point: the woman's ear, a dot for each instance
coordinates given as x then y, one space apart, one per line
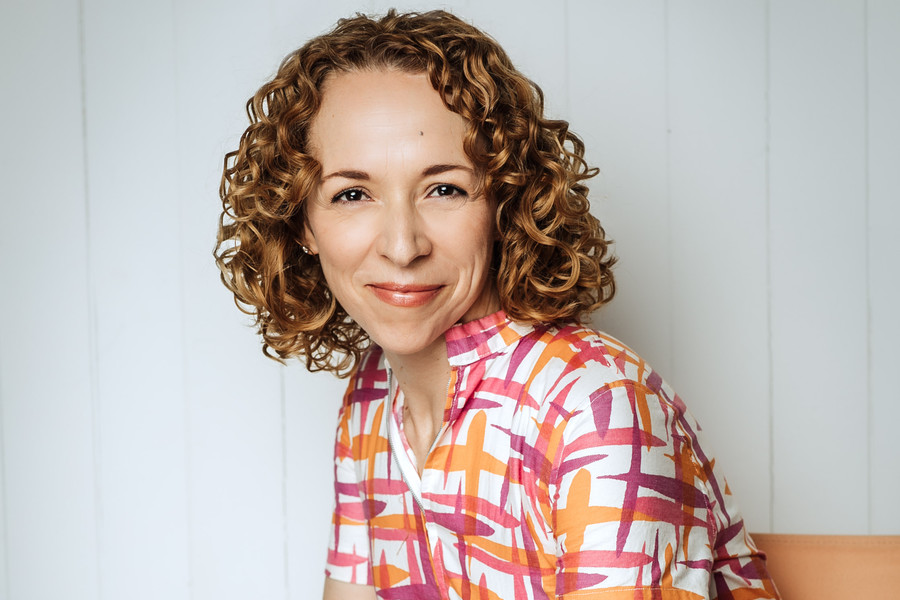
308 241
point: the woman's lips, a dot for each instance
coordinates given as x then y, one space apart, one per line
397 294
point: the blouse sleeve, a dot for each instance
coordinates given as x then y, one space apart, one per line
348 548
638 507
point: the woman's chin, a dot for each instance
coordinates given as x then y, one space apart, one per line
410 341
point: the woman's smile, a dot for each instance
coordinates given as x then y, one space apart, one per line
405 296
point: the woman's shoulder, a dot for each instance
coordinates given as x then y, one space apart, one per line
574 367
577 350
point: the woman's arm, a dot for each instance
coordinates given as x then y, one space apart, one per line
347 572
639 507
339 590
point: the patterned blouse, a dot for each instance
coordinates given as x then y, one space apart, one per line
565 468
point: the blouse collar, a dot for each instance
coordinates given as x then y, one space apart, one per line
472 341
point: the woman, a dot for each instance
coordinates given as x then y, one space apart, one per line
400 209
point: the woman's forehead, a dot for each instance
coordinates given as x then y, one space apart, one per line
373 115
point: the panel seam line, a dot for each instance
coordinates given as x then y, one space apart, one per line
93 355
768 210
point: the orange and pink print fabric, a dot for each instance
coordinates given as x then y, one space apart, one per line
566 468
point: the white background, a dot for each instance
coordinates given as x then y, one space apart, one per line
749 155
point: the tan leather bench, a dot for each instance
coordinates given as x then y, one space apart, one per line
822 567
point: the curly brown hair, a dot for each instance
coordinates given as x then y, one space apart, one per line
551 262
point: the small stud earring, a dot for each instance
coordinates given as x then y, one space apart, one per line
305 249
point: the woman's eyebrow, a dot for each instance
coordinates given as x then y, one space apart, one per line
438 169
348 174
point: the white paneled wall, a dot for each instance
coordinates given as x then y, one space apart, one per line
749 163
48 356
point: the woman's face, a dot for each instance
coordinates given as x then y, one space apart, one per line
403 239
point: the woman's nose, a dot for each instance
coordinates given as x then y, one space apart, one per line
403 237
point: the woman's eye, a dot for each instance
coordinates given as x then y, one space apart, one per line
447 191
352 195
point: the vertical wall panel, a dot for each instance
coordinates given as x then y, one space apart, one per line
717 116
135 263
45 330
311 412
818 245
617 99
884 261
233 394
